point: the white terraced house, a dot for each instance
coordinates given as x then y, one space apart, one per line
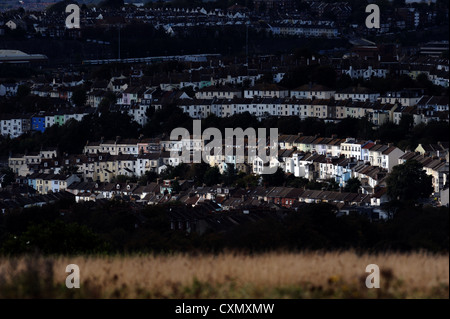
353 148
309 91
14 126
223 92
138 113
266 91
356 94
385 156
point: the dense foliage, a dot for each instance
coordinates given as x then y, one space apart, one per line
409 182
68 228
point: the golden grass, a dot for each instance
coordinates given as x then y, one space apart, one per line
270 275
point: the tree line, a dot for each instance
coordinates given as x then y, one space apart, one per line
86 228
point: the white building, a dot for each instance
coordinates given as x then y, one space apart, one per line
8 89
266 91
356 94
385 156
365 73
138 113
308 91
14 126
353 148
212 92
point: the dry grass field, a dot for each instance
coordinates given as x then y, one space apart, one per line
271 275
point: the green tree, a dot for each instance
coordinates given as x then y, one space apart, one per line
409 182
331 185
315 185
8 178
297 182
79 97
230 174
352 185
104 105
276 179
325 75
246 180
406 122
212 176
108 100
55 237
23 91
176 186
148 177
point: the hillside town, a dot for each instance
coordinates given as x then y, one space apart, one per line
280 17
310 157
362 82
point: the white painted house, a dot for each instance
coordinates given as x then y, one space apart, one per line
266 91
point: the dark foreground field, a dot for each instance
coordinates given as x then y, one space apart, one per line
271 275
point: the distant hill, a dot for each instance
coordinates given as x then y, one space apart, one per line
60 6
111 3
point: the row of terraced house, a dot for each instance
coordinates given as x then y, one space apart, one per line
316 102
310 157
